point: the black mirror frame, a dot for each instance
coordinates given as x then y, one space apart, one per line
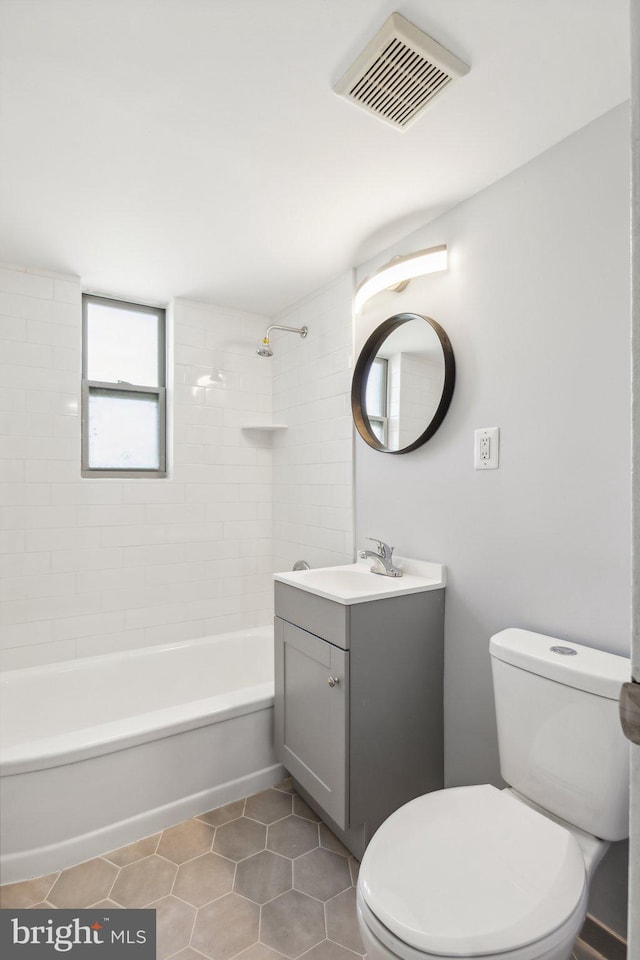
363 366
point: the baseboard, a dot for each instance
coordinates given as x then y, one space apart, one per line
604 941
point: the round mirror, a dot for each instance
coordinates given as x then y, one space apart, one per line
402 383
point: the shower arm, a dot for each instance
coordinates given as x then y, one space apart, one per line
303 331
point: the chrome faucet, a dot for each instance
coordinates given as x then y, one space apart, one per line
383 557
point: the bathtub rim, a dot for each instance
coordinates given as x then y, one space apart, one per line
138 728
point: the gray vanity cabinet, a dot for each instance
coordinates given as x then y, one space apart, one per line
316 714
358 704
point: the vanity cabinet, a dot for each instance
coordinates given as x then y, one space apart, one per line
358 704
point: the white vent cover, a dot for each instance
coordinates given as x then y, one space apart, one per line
400 73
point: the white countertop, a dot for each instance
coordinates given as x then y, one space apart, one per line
355 583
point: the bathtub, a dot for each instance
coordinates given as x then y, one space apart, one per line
98 752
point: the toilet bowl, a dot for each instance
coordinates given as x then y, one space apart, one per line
474 872
481 872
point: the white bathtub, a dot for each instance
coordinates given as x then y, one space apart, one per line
98 752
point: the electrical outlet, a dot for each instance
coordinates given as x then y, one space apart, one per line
486 448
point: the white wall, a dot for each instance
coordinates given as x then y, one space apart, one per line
313 486
536 304
89 566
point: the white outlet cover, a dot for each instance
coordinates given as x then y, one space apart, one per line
486 448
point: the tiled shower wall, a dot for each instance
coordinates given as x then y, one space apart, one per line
313 457
90 566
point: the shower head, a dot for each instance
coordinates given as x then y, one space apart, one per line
264 350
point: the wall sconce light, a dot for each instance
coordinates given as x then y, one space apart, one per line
396 274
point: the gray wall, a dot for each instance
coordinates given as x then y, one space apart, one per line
536 303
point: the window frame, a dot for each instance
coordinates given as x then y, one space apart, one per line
160 392
382 419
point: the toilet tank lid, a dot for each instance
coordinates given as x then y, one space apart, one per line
594 671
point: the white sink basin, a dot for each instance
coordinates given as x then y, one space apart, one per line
354 582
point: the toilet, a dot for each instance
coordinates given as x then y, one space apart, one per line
478 871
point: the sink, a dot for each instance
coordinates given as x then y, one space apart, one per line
354 582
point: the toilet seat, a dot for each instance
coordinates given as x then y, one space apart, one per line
471 871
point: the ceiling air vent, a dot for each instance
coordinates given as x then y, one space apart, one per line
400 73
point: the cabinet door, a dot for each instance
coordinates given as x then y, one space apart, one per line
311 715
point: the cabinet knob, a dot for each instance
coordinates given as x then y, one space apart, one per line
333 681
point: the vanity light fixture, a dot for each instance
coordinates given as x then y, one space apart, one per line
399 271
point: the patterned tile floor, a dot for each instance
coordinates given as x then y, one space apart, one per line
257 879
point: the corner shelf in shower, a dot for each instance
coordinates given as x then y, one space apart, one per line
265 427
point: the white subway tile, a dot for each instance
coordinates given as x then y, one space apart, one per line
111 515
23 354
174 632
53 471
37 378
155 616
73 538
12 541
159 491
109 643
180 532
35 655
231 511
24 634
199 434
57 608
67 291
24 564
54 334
174 572
238 473
23 494
37 517
40 448
139 535
13 611
209 493
37 585
17 305
214 606
258 492
172 513
26 424
26 284
159 553
13 328
67 427
109 579
67 358
194 415
132 598
185 395
85 492
247 529
66 313
187 454
71 628
192 336
335 518
104 558
12 399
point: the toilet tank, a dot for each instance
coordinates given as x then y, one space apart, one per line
559 735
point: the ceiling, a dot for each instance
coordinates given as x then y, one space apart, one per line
195 148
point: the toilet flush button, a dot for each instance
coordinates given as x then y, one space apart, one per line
564 651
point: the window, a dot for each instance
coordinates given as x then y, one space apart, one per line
376 398
123 389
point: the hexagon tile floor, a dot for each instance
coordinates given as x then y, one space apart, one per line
257 879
